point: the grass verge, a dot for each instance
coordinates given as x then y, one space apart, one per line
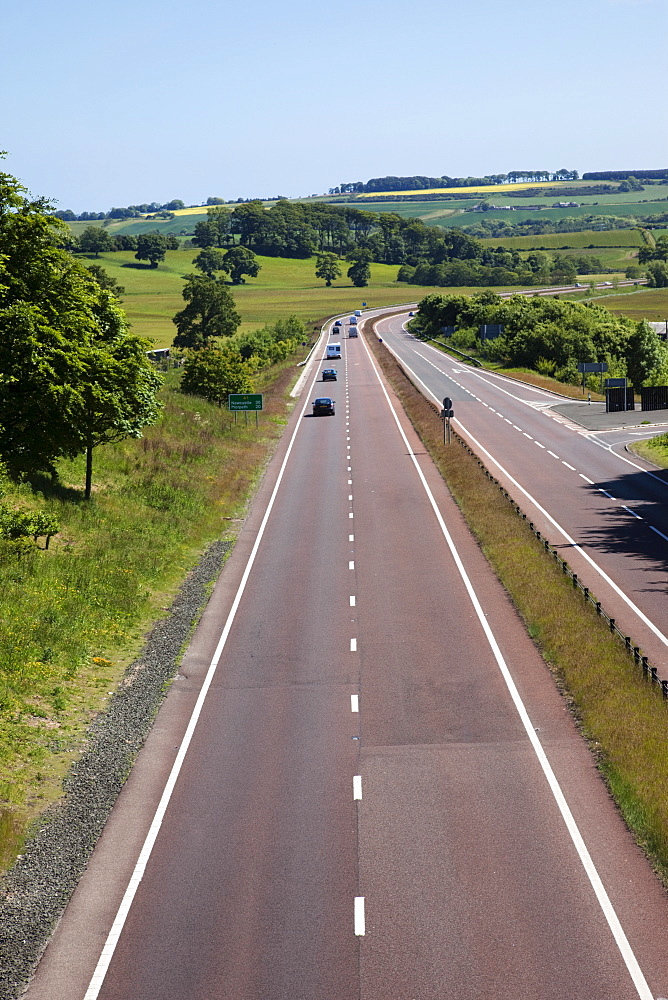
74 616
623 717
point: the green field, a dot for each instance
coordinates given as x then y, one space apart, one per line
282 288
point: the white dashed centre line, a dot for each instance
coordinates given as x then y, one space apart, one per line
350 496
359 916
351 538
350 514
353 645
624 507
571 467
354 703
606 494
586 478
540 445
351 564
357 786
659 532
527 435
350 482
352 600
552 454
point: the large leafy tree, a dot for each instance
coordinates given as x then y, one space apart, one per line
95 239
327 267
60 334
151 247
209 260
209 312
240 261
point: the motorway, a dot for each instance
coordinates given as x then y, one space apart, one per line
363 784
603 508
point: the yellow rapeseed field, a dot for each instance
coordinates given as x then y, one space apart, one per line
483 189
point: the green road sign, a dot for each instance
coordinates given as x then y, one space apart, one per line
245 401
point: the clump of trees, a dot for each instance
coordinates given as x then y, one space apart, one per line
72 375
215 370
148 246
548 334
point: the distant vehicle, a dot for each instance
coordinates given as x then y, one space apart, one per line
411 313
608 283
323 407
333 351
353 320
352 332
578 285
358 312
337 322
329 375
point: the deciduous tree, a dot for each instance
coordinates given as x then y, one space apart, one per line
327 267
209 312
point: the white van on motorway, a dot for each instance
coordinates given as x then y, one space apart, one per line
333 351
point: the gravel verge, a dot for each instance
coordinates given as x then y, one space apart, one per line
34 893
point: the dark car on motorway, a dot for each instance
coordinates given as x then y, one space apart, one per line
337 322
329 375
324 406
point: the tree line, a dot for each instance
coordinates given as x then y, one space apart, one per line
391 183
547 334
502 266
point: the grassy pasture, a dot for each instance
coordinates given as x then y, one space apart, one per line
643 303
576 241
283 287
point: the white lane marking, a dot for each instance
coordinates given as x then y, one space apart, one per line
353 645
354 703
350 482
527 435
606 494
492 410
517 428
571 541
586 478
624 507
594 878
107 953
351 564
357 787
571 467
350 496
351 538
659 532
552 454
507 421
352 600
359 916
350 514
540 445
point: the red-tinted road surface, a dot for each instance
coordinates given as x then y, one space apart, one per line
356 663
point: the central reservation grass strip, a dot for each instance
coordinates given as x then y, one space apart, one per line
624 718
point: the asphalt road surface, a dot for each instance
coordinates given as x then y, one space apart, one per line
602 507
381 795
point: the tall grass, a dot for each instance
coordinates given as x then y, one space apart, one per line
623 717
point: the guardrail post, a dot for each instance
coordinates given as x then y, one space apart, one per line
598 607
636 654
664 689
612 624
645 665
655 679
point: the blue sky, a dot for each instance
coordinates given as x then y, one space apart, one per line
131 102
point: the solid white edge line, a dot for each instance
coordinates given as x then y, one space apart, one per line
614 924
357 787
360 928
113 937
571 541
